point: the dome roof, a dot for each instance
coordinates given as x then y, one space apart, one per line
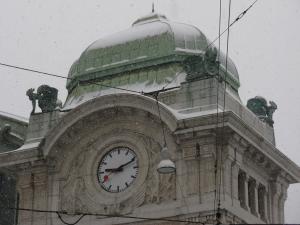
152 40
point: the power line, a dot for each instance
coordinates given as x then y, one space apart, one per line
217 103
219 36
67 78
240 16
102 215
124 89
218 213
67 223
34 71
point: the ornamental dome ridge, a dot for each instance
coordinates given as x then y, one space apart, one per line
152 40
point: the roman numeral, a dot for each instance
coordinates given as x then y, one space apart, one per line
133 176
126 184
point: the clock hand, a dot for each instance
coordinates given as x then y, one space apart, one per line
112 170
121 167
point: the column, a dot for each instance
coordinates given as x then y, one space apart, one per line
262 202
252 195
275 195
266 207
243 190
234 186
282 199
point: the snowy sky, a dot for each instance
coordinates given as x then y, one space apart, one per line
49 35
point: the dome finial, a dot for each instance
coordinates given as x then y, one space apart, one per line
152 7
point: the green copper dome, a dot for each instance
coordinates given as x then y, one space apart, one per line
152 42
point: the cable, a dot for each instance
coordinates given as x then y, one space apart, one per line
161 122
68 78
218 213
35 71
64 222
240 16
59 213
217 103
219 36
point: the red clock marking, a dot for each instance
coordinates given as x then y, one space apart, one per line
105 178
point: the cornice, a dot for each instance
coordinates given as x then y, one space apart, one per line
256 147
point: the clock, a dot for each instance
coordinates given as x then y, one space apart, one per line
118 169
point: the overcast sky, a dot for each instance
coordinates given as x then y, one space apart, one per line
49 35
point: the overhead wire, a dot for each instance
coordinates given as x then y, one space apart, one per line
163 89
217 105
220 155
68 223
67 78
240 16
105 216
124 89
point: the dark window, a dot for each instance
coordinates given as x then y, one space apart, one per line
261 201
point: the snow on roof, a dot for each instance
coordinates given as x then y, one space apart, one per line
14 117
131 34
145 87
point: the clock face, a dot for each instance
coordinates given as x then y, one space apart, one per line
118 169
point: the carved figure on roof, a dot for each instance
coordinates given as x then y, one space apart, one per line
9 137
210 61
259 106
32 97
46 97
198 66
193 65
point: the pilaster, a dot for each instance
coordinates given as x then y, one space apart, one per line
275 195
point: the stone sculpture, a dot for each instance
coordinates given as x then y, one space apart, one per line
201 66
46 97
259 106
210 61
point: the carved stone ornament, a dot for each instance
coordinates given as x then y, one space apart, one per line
160 187
46 97
80 149
201 66
7 136
258 105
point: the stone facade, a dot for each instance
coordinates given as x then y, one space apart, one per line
60 173
56 168
12 136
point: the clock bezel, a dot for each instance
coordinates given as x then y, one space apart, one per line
103 157
99 149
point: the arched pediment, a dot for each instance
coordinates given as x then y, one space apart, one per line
83 137
125 100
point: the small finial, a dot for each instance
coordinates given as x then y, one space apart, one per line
152 7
